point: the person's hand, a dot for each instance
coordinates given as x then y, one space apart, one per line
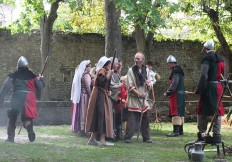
109 93
120 85
142 95
109 73
148 83
165 94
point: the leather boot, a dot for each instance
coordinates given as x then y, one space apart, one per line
199 137
175 133
10 133
119 132
181 131
30 131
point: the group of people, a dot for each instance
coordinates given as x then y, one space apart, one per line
103 111
103 100
209 88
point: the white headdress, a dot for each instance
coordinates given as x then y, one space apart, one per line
102 62
76 84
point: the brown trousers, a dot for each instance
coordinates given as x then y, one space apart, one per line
133 122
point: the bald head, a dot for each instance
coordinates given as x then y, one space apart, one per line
139 58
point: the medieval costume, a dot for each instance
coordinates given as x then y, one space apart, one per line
210 91
176 97
80 94
25 85
136 78
121 109
114 88
99 116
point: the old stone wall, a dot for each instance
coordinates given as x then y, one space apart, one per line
68 50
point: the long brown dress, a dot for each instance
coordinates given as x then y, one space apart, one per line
99 117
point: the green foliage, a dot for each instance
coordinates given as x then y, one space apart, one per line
195 24
82 17
29 17
149 15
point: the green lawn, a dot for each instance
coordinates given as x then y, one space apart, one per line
57 143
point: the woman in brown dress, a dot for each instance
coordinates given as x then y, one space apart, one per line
99 117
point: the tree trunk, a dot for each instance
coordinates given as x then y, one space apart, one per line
113 38
46 25
143 44
213 15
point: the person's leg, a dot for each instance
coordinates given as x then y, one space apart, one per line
118 125
217 126
92 139
145 128
28 125
12 117
130 126
181 130
202 122
176 122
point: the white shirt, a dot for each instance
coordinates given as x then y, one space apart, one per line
151 76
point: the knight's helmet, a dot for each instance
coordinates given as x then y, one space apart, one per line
22 62
209 44
171 59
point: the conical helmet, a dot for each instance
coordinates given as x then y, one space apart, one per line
22 62
209 44
171 59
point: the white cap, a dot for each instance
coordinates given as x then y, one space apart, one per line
102 62
209 44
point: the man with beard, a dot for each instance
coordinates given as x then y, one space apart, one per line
137 86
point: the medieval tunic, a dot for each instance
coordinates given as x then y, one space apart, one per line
114 88
176 92
136 80
25 85
99 116
209 89
135 103
80 109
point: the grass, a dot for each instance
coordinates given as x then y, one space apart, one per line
57 143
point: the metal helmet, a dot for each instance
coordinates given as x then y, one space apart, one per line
171 59
22 62
209 44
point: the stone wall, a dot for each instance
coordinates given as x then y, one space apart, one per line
69 50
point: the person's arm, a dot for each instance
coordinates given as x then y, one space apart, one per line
131 85
6 87
113 85
203 79
87 83
39 85
174 84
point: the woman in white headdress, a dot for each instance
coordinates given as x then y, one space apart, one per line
80 94
99 118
